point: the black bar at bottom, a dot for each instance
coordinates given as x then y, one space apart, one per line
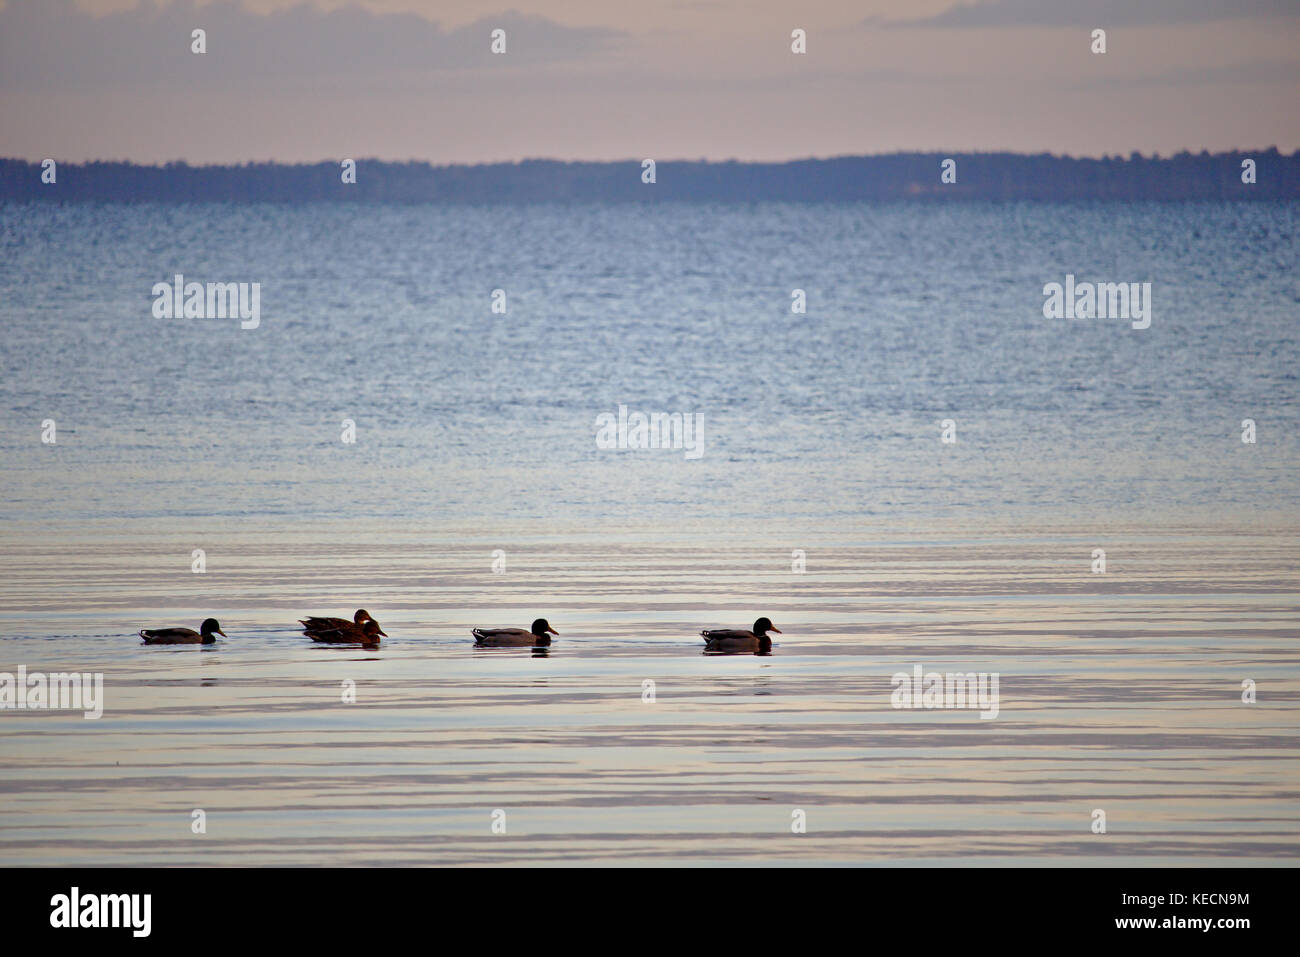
332 906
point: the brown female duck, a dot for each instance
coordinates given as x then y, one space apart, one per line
350 633
331 624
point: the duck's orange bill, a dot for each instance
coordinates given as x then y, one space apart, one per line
777 630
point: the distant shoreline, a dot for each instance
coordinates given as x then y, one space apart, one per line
896 176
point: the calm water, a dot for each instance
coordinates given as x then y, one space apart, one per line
821 433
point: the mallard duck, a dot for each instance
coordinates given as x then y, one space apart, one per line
330 624
508 637
367 633
737 639
183 636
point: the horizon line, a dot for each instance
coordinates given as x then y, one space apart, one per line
1155 155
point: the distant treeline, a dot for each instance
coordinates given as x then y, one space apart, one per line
984 176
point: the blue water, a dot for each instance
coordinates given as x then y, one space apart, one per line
824 498
916 313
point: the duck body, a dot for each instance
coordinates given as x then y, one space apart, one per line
538 636
311 624
729 639
739 640
347 633
183 636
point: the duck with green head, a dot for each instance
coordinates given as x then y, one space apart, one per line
183 636
539 636
739 640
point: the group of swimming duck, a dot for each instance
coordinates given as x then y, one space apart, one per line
365 631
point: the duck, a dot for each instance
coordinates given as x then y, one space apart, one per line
537 636
330 624
349 633
737 639
183 636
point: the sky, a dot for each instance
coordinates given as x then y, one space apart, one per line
631 79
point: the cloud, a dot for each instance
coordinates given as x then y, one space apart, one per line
54 45
1259 73
1095 13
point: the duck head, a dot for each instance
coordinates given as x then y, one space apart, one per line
361 616
542 627
763 626
209 626
370 632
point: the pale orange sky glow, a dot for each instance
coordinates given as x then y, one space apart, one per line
586 79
